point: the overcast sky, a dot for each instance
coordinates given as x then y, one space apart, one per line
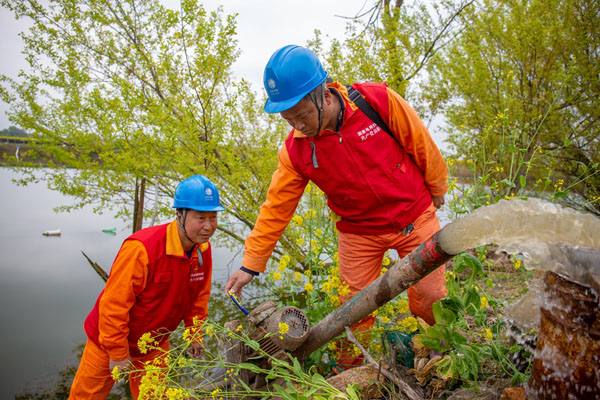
263 27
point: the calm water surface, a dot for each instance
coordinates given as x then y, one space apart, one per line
47 287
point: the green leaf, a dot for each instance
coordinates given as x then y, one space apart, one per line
561 194
283 393
522 181
251 367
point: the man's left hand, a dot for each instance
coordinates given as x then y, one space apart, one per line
196 350
438 201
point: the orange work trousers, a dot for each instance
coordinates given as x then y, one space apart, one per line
93 379
361 258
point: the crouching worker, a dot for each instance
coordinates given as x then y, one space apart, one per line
161 275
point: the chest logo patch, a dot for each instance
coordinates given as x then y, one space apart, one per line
369 131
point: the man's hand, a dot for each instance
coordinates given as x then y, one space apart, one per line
196 350
438 201
123 365
236 282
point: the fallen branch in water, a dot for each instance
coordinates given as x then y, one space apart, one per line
404 387
99 270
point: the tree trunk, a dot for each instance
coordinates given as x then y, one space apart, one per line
138 204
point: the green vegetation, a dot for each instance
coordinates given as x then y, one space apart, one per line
13 131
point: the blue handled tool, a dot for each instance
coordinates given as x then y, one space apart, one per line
233 297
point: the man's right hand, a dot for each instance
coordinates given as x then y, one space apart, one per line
123 365
236 282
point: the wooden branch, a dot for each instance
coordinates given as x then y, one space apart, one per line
404 387
99 270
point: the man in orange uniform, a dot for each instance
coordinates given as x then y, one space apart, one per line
385 187
161 275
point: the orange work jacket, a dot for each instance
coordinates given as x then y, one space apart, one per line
152 287
376 184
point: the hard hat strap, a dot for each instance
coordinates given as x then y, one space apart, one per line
182 223
313 98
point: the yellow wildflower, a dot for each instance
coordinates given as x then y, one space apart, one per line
283 328
402 307
300 241
319 233
187 335
144 341
276 276
384 318
282 265
484 302
297 276
344 290
239 328
386 261
487 334
115 374
297 219
408 324
308 287
182 362
517 263
209 330
332 346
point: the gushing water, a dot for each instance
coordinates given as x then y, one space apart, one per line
550 237
566 242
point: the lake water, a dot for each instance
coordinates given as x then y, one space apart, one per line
47 287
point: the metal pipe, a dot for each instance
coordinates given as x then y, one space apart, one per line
402 275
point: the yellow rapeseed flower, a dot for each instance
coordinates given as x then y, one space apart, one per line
209 330
282 265
297 219
484 302
283 328
402 307
309 288
408 324
115 374
487 334
144 341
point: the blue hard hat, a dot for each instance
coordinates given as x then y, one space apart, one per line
198 193
291 73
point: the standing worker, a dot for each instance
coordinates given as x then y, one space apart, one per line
161 276
385 187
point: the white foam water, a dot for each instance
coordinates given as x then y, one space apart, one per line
550 237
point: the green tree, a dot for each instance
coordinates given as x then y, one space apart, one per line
135 96
519 88
13 131
392 43
126 98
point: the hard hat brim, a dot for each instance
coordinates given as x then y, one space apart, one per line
273 107
201 208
